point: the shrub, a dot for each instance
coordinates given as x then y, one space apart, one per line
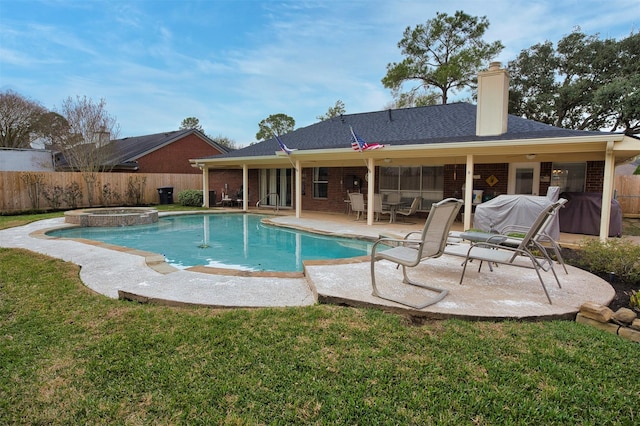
53 195
620 256
72 195
190 197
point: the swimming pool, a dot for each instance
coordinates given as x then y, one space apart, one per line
232 240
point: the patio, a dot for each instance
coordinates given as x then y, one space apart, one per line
506 292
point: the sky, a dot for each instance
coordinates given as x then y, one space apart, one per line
233 63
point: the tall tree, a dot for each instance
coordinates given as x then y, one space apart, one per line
445 53
225 141
334 111
18 116
191 123
51 128
413 99
275 123
583 83
87 147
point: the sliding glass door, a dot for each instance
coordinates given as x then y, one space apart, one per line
276 187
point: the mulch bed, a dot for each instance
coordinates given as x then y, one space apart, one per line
622 289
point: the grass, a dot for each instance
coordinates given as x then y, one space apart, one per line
631 227
69 356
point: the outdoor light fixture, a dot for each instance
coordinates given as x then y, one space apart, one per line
531 156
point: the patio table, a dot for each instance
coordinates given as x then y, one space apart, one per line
483 237
393 207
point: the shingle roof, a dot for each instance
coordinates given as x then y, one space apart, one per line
129 149
420 125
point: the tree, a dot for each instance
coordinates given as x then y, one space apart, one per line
191 123
413 99
278 124
51 128
18 116
87 147
446 54
225 141
583 83
334 111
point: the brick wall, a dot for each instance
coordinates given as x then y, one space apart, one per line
231 181
341 180
174 158
454 178
595 176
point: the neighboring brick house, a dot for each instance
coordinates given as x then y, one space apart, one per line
167 152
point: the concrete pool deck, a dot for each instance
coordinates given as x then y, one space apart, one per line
505 293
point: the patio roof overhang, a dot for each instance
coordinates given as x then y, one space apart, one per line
611 148
583 148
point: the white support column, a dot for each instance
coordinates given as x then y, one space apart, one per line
245 187
468 192
298 172
607 192
370 190
205 187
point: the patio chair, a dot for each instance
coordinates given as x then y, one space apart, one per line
409 252
543 237
378 207
394 197
357 204
498 249
412 209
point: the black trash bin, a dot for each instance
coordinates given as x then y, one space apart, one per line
166 194
213 198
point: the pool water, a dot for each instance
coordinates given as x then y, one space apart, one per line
236 241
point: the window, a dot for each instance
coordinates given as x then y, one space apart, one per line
426 182
570 177
320 182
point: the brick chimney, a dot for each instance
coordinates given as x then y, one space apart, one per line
493 101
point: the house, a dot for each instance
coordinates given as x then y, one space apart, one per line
167 152
25 160
433 152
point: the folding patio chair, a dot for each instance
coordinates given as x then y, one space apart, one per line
496 249
542 237
409 252
412 209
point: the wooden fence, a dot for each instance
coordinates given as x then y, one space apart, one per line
628 193
24 191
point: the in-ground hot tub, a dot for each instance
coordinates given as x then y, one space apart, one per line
119 216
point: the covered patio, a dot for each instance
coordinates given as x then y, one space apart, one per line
313 172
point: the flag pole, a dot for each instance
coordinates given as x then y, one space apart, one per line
355 138
284 148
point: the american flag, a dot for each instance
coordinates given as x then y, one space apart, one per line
283 146
358 144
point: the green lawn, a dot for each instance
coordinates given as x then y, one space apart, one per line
69 356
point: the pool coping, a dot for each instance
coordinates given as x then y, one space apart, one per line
128 274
